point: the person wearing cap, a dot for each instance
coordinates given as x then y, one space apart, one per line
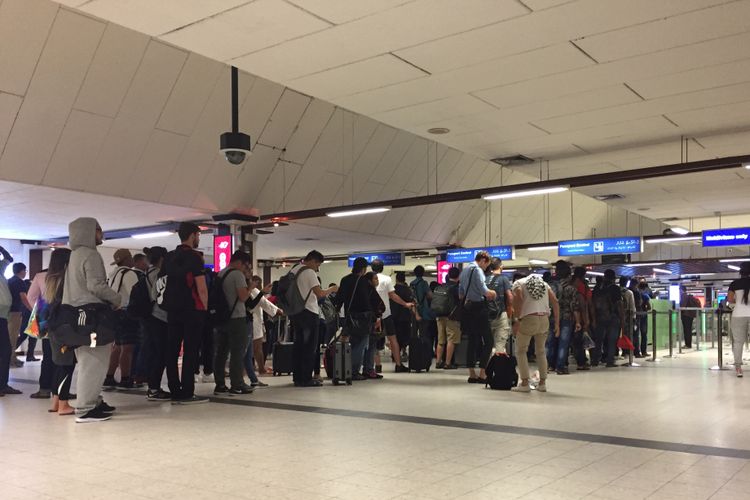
127 334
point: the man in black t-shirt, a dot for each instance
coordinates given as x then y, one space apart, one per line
185 299
19 306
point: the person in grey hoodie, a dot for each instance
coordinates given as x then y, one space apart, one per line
86 283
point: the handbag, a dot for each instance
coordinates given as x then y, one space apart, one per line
356 324
32 328
87 325
457 314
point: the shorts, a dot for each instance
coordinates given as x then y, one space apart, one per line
389 327
448 330
128 331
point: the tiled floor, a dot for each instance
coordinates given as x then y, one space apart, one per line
315 449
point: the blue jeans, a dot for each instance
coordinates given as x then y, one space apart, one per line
563 343
359 346
249 358
551 347
640 335
606 334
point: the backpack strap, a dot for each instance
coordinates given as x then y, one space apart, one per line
122 278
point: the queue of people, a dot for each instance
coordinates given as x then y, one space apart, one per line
160 306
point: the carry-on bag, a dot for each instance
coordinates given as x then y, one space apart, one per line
283 352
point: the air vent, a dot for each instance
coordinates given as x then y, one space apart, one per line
307 239
607 197
263 231
667 219
513 161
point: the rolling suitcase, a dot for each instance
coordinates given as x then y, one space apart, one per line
420 350
338 361
283 353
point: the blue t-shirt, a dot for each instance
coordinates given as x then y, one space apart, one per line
471 284
421 289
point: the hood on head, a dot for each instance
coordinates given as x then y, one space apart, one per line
82 233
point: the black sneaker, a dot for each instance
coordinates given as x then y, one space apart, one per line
440 365
243 389
192 400
378 368
110 384
158 395
41 395
450 367
7 390
221 389
373 375
95 415
105 408
358 376
125 384
258 384
402 369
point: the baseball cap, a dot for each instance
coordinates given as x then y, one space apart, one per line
121 255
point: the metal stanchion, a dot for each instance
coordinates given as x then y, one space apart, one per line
653 337
630 334
680 331
671 334
713 331
720 331
698 330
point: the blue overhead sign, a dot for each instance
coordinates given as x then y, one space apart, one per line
600 246
456 255
389 259
726 237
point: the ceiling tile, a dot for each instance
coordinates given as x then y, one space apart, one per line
155 166
413 23
115 63
284 119
685 29
435 111
155 18
256 109
190 94
344 11
58 76
24 25
308 131
76 153
9 106
357 77
540 29
246 29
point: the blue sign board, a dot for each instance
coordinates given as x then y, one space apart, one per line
389 259
599 246
456 255
726 237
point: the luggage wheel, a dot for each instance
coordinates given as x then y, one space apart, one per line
335 381
348 381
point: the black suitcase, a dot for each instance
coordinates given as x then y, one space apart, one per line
338 361
420 350
283 353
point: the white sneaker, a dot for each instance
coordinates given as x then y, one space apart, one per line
208 379
541 388
521 388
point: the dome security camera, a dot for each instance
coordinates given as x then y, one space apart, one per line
235 146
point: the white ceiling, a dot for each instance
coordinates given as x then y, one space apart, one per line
590 81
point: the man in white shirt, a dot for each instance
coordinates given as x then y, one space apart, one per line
255 350
127 334
306 323
387 292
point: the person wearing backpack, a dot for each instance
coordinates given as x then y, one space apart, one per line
122 281
423 295
299 294
185 298
500 309
155 347
359 318
570 317
532 298
444 302
609 319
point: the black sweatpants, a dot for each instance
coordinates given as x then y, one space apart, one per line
184 327
306 326
156 346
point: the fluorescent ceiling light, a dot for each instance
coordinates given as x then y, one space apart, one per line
663 271
746 259
679 230
157 234
746 165
643 264
542 248
594 273
669 239
527 192
538 262
430 268
363 211
733 268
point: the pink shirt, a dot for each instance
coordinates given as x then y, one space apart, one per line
36 290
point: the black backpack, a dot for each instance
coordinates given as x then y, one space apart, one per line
288 295
603 304
177 296
140 305
443 301
501 372
219 311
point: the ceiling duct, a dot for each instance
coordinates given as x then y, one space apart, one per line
607 197
513 161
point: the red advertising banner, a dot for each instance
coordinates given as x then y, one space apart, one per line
442 274
222 252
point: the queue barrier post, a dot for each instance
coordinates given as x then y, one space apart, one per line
698 330
670 334
653 336
680 332
720 366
